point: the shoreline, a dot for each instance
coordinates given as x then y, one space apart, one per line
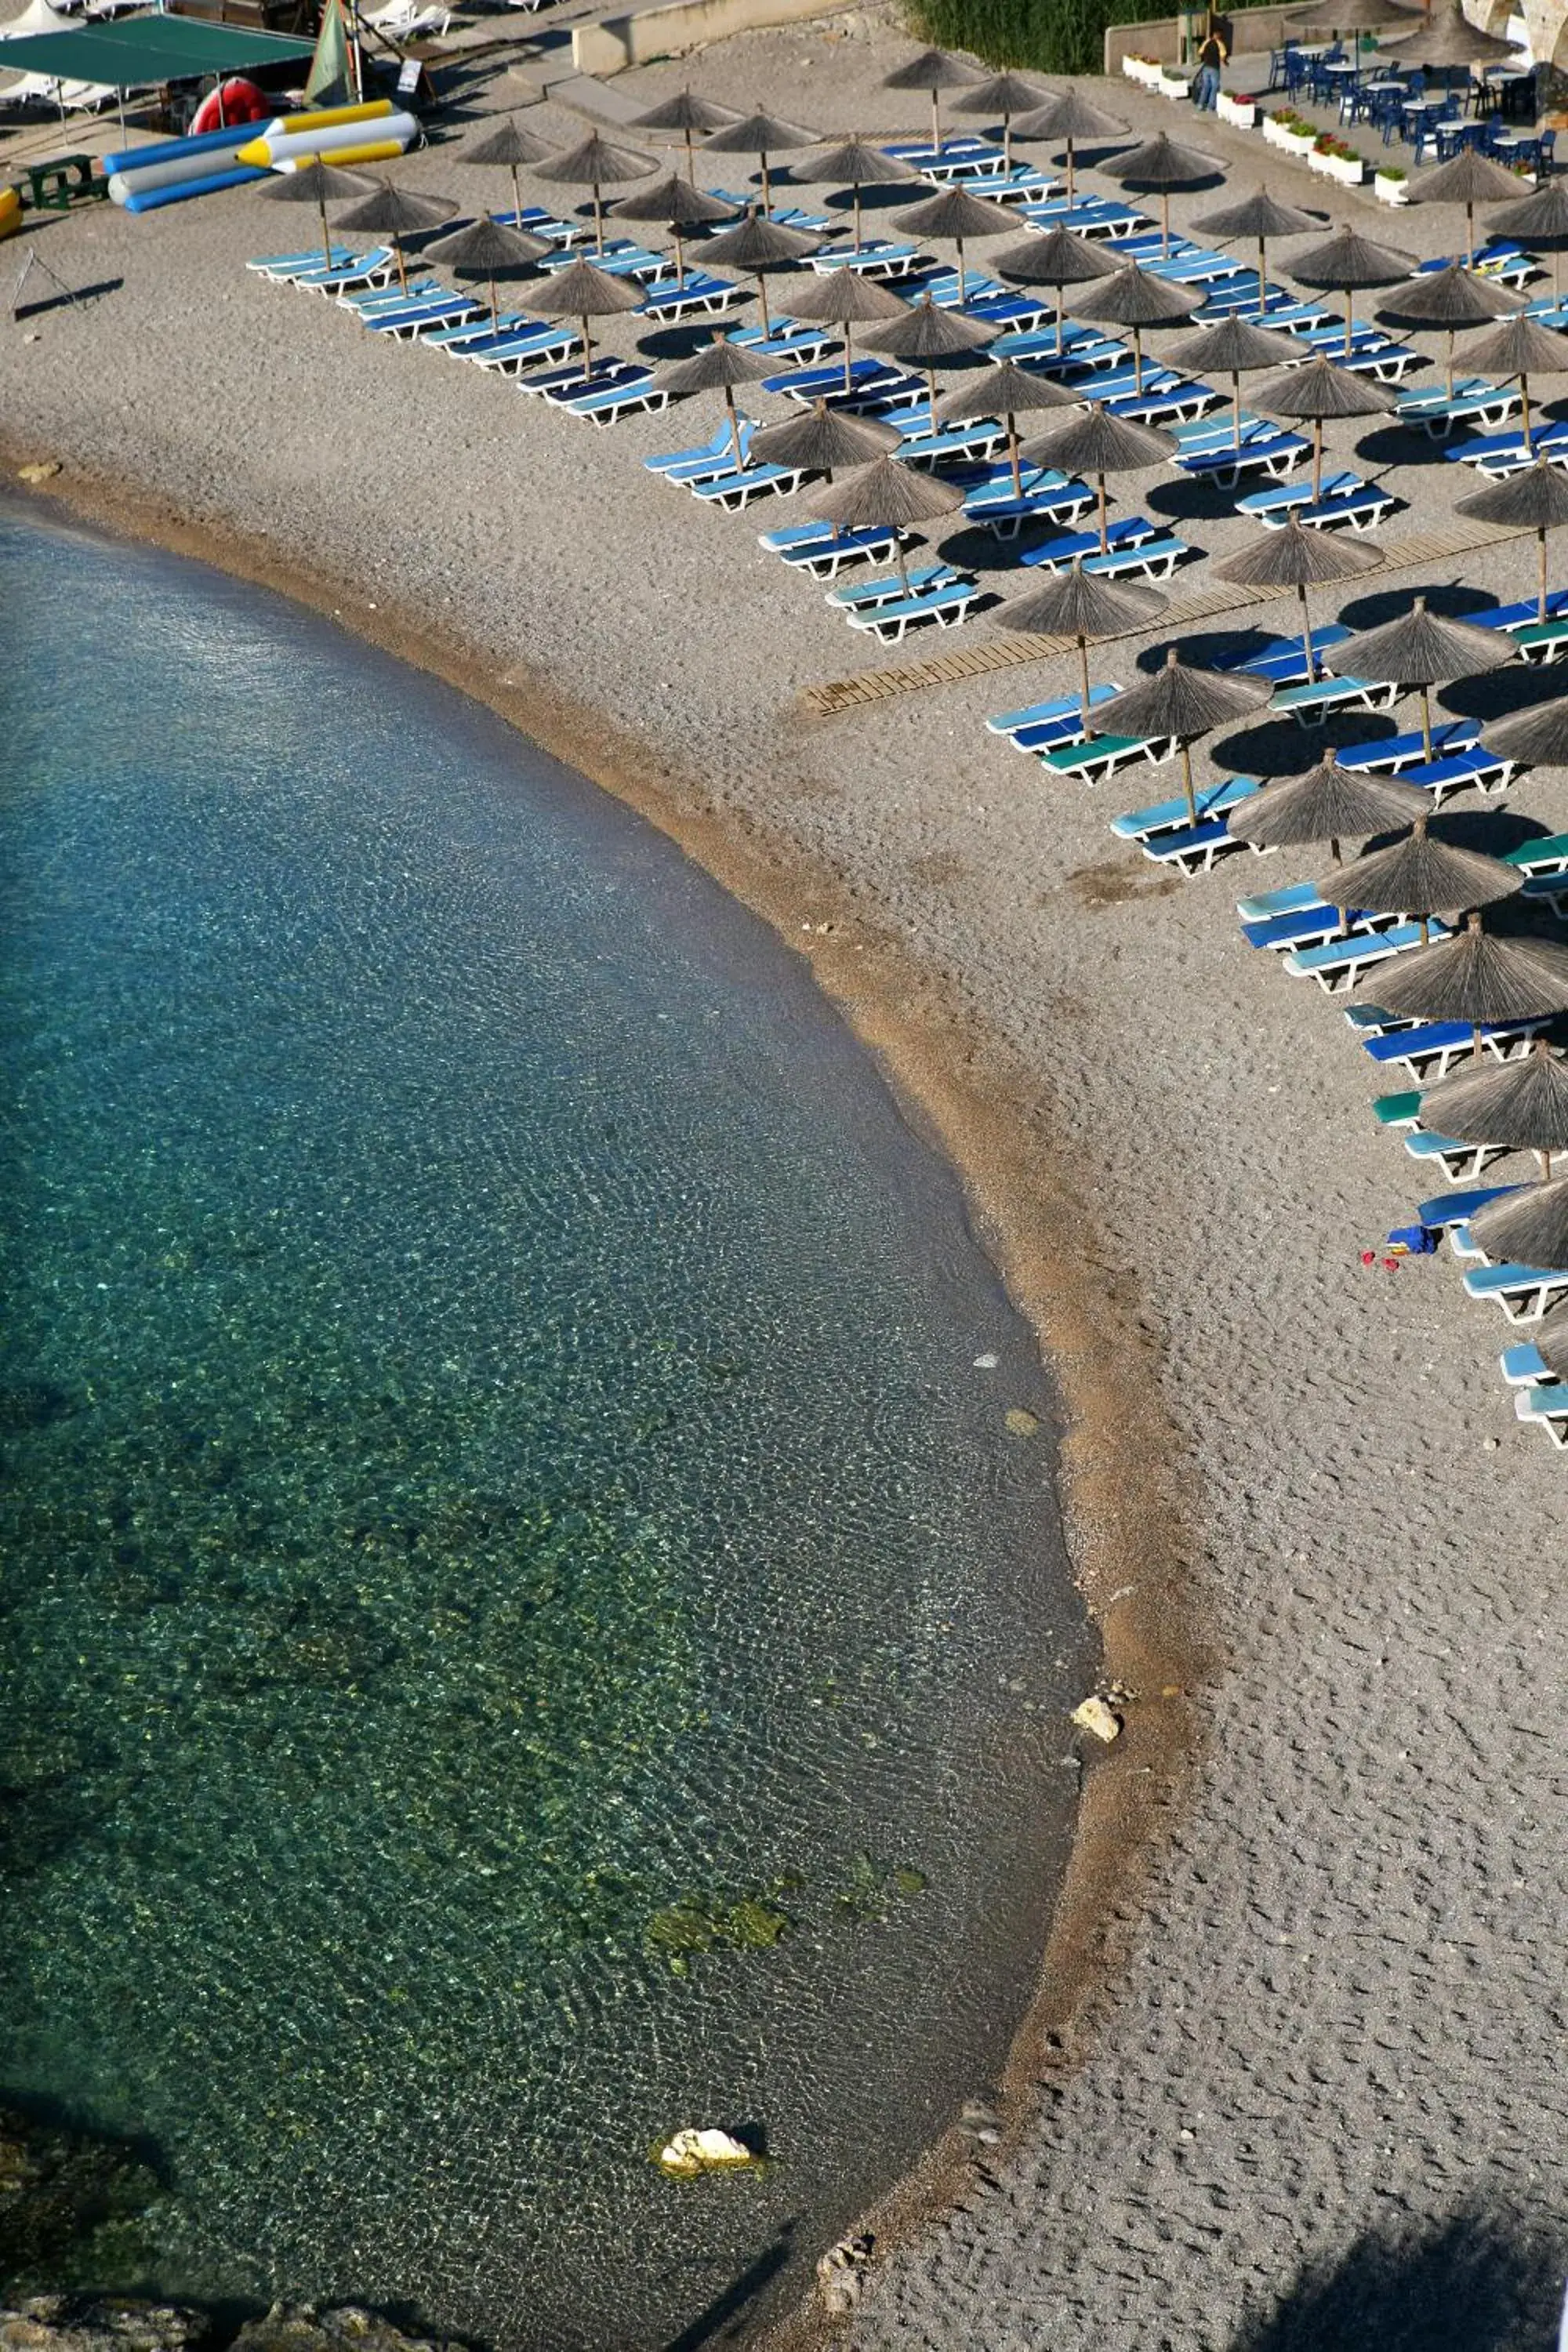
1128 1536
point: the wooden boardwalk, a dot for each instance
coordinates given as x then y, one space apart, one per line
975 659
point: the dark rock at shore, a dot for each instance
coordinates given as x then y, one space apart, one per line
58 2322
71 2208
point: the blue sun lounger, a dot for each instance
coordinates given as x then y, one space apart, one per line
1091 216
365 302
941 607
1080 346
1461 1163
1372 352
1012 724
376 267
1270 450
1096 757
866 595
287 268
1474 402
1500 257
1540 642
1051 497
620 258
406 324
1428 1050
959 156
1164 817
1541 859
517 352
1450 1209
1525 1293
1312 704
1166 398
1346 503
873 384
734 491
716 456
700 294
818 549
1544 1407
606 404
1497 455
1126 531
1064 725
1339 965
877 257
1524 1366
921 446
1394 754
576 381
782 216
1283 660
536 222
790 340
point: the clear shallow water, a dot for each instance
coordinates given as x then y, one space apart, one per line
522 1626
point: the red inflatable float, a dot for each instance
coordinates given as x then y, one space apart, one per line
232 101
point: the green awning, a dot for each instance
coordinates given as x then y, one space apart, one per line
136 50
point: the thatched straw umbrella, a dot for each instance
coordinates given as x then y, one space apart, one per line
999 99
1094 441
1080 605
1519 1105
1007 391
509 146
1538 219
1236 347
1328 804
1479 978
856 163
395 213
757 245
316 183
1299 558
719 366
933 71
824 440
1420 649
887 495
1186 703
597 162
1069 116
581 292
1056 259
1453 297
954 213
685 113
1540 736
760 134
1470 179
1423 877
844 299
1529 1227
486 249
1260 215
927 334
1317 391
676 205
1348 264
1160 165
1446 38
1521 348
1134 298
1536 500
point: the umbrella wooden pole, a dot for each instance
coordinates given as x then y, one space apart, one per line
495 310
1451 364
936 125
680 256
402 273
1007 142
1236 405
516 199
1307 633
587 347
1138 361
1086 701
1425 723
1262 268
931 394
767 191
1525 403
763 301
963 290
690 159
1540 603
1061 293
1018 491
901 558
1104 526
1317 459
326 240
1470 234
1071 191
1187 782
1165 224
849 354
598 221
856 216
734 427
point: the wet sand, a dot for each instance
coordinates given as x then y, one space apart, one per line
1299 2002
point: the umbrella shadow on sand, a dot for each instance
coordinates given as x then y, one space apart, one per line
1503 692
1452 599
1471 2283
1278 747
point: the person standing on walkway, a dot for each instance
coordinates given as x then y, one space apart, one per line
1212 56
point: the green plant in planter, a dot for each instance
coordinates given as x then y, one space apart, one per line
1391 172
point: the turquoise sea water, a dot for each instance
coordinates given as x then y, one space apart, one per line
522 1626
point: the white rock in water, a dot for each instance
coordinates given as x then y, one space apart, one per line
1095 1717
696 2150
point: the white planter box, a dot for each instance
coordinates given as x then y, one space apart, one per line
1389 192
1175 86
1242 111
1348 170
1297 144
1140 69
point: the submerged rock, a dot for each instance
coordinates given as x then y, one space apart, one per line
58 2322
697 2149
70 2208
